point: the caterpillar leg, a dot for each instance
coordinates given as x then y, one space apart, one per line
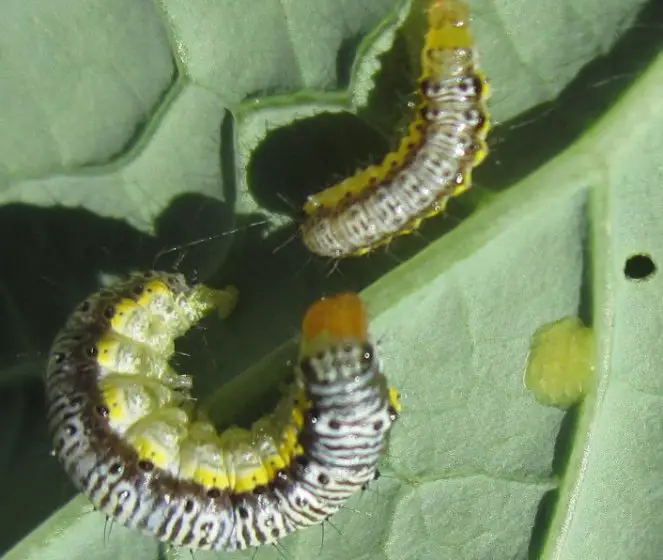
394 401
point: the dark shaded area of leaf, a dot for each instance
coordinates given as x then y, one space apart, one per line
47 270
345 58
163 553
39 485
306 157
49 259
396 86
521 146
50 270
227 158
563 448
564 441
586 311
543 515
192 236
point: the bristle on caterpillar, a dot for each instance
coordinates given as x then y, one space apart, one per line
433 162
123 426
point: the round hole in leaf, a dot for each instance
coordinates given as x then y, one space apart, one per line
639 267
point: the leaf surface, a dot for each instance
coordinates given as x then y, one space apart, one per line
127 130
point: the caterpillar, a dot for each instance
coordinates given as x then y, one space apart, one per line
433 161
125 429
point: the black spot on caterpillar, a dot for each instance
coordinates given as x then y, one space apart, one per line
121 422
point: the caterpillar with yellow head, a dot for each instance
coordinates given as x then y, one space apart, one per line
124 427
432 163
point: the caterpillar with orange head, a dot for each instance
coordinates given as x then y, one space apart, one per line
432 163
125 429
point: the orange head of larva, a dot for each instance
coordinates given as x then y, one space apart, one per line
334 319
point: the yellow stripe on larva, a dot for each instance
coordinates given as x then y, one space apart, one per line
157 438
433 162
130 398
202 457
137 387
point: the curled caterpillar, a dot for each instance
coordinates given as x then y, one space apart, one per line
433 162
124 428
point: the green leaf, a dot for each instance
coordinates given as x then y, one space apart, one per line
130 128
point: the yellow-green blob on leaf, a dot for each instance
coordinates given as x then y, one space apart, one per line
559 367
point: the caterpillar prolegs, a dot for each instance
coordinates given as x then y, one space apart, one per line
124 427
432 163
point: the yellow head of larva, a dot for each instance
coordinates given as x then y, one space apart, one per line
448 26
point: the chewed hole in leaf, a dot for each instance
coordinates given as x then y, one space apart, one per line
639 267
309 155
